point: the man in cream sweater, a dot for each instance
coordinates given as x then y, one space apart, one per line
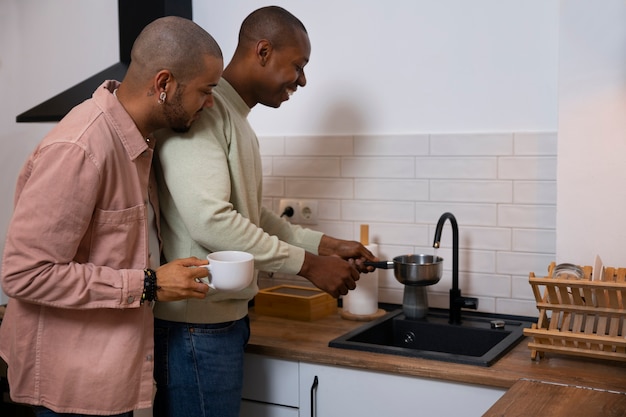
210 185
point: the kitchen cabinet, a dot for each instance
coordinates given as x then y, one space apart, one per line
343 392
256 409
270 387
282 388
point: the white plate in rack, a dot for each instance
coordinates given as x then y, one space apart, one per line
598 269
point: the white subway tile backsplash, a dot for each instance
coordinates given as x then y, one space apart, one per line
471 191
397 233
465 214
534 240
267 165
457 167
318 188
530 216
521 289
272 145
535 143
518 263
489 144
391 145
527 168
490 238
441 299
392 189
501 188
340 230
329 209
381 167
319 145
306 167
391 295
486 304
273 187
485 285
377 211
476 261
388 250
534 192
516 308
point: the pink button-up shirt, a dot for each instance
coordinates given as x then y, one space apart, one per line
74 334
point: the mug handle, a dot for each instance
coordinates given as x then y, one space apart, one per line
207 280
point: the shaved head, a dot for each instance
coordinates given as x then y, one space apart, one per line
174 65
273 23
268 64
172 43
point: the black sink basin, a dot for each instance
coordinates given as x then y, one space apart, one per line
479 340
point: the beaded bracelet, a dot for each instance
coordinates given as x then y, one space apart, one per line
149 286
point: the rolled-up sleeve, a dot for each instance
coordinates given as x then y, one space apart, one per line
48 257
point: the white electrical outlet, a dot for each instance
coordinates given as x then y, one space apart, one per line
304 211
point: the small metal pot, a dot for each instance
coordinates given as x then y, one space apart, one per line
419 270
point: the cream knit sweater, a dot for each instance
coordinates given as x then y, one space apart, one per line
210 192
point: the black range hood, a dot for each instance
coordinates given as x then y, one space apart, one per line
133 16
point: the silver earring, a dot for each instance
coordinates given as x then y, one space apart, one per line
162 97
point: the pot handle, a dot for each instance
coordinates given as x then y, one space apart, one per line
381 264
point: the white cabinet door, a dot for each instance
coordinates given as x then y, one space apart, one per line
255 409
270 387
345 392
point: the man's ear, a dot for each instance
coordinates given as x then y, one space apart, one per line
163 81
263 51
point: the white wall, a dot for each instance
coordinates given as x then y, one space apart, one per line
45 48
393 70
413 66
592 132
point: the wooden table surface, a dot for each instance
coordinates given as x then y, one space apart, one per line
308 342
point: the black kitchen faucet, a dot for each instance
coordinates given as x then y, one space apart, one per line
456 300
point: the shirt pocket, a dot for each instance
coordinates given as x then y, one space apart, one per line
120 238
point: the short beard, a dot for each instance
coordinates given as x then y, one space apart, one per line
175 116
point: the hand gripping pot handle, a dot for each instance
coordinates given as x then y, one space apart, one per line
381 264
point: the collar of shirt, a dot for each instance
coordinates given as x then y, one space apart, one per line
133 141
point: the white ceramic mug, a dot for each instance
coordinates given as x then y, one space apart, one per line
229 270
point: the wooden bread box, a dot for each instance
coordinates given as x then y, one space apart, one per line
294 302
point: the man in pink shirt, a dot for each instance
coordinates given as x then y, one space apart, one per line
81 261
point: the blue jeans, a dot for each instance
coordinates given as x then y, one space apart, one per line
199 368
45 412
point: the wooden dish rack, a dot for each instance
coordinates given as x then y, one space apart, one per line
580 317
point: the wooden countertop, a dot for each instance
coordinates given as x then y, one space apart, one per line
308 342
533 398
